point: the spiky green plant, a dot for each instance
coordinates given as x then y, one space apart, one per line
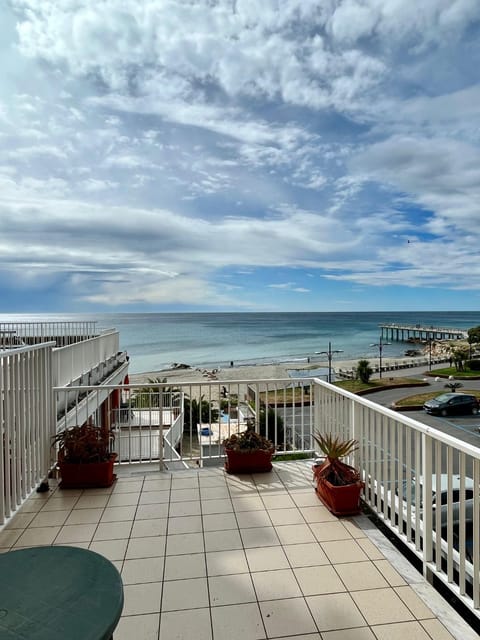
334 470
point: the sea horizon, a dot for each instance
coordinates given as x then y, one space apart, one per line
155 341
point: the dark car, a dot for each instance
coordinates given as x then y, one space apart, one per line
452 403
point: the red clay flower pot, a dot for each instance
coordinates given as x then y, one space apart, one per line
340 500
87 476
257 461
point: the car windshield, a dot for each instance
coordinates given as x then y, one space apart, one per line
443 398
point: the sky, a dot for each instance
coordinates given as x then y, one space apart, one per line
214 155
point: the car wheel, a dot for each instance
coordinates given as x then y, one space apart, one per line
443 412
474 410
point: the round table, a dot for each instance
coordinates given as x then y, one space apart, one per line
58 592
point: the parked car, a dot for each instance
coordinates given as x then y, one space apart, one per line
452 404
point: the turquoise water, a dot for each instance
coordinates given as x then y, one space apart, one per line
156 340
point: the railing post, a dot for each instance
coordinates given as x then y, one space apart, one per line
427 470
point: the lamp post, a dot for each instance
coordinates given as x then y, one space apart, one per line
380 346
329 355
429 352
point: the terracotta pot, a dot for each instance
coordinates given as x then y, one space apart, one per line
86 476
341 501
257 461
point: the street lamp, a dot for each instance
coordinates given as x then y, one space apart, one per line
380 346
329 354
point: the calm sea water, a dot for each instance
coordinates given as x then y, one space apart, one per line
156 340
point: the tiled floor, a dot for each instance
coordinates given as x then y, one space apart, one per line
214 557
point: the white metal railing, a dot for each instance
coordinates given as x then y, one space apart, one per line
74 360
27 422
62 333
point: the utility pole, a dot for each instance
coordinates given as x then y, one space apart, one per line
380 346
329 355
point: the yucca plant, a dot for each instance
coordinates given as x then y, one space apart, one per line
334 470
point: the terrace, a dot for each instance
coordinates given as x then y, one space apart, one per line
204 553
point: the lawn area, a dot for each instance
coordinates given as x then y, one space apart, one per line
356 385
419 398
451 371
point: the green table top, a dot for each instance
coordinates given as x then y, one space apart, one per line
58 592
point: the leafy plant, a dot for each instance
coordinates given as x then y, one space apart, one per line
248 440
84 444
333 469
453 386
364 371
198 411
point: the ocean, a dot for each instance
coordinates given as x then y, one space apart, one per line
155 341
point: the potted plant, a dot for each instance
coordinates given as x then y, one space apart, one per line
248 452
338 484
84 456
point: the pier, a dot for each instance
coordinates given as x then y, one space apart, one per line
419 333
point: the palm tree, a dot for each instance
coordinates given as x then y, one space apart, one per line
364 371
149 396
453 386
197 412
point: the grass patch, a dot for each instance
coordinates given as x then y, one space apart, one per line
356 385
420 398
294 455
451 371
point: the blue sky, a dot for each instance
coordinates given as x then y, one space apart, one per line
242 156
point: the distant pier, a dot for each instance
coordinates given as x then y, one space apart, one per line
419 333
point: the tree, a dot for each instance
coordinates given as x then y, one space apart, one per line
474 335
197 412
459 356
149 396
270 425
453 386
364 371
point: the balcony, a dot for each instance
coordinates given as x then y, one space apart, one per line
210 556
172 507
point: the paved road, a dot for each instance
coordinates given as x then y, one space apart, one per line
463 427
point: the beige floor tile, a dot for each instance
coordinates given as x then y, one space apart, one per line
125 486
214 493
335 611
38 536
185 566
223 540
154 497
392 576
182 543
233 589
248 503
360 633
178 509
185 483
190 593
287 617
305 555
192 623
222 505
318 580
129 626
221 563
237 622
76 533
149 511
294 534
110 549
275 585
354 528
8 537
184 495
266 559
31 506
142 570
318 513
361 575
123 499
436 629
84 516
150 547
414 603
259 537
211 481
113 530
184 524
370 549
68 503
381 606
249 519
117 514
19 521
400 631
286 516
50 518
142 598
307 499
219 522
146 528
156 485
325 531
280 501
308 636
88 501
340 551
